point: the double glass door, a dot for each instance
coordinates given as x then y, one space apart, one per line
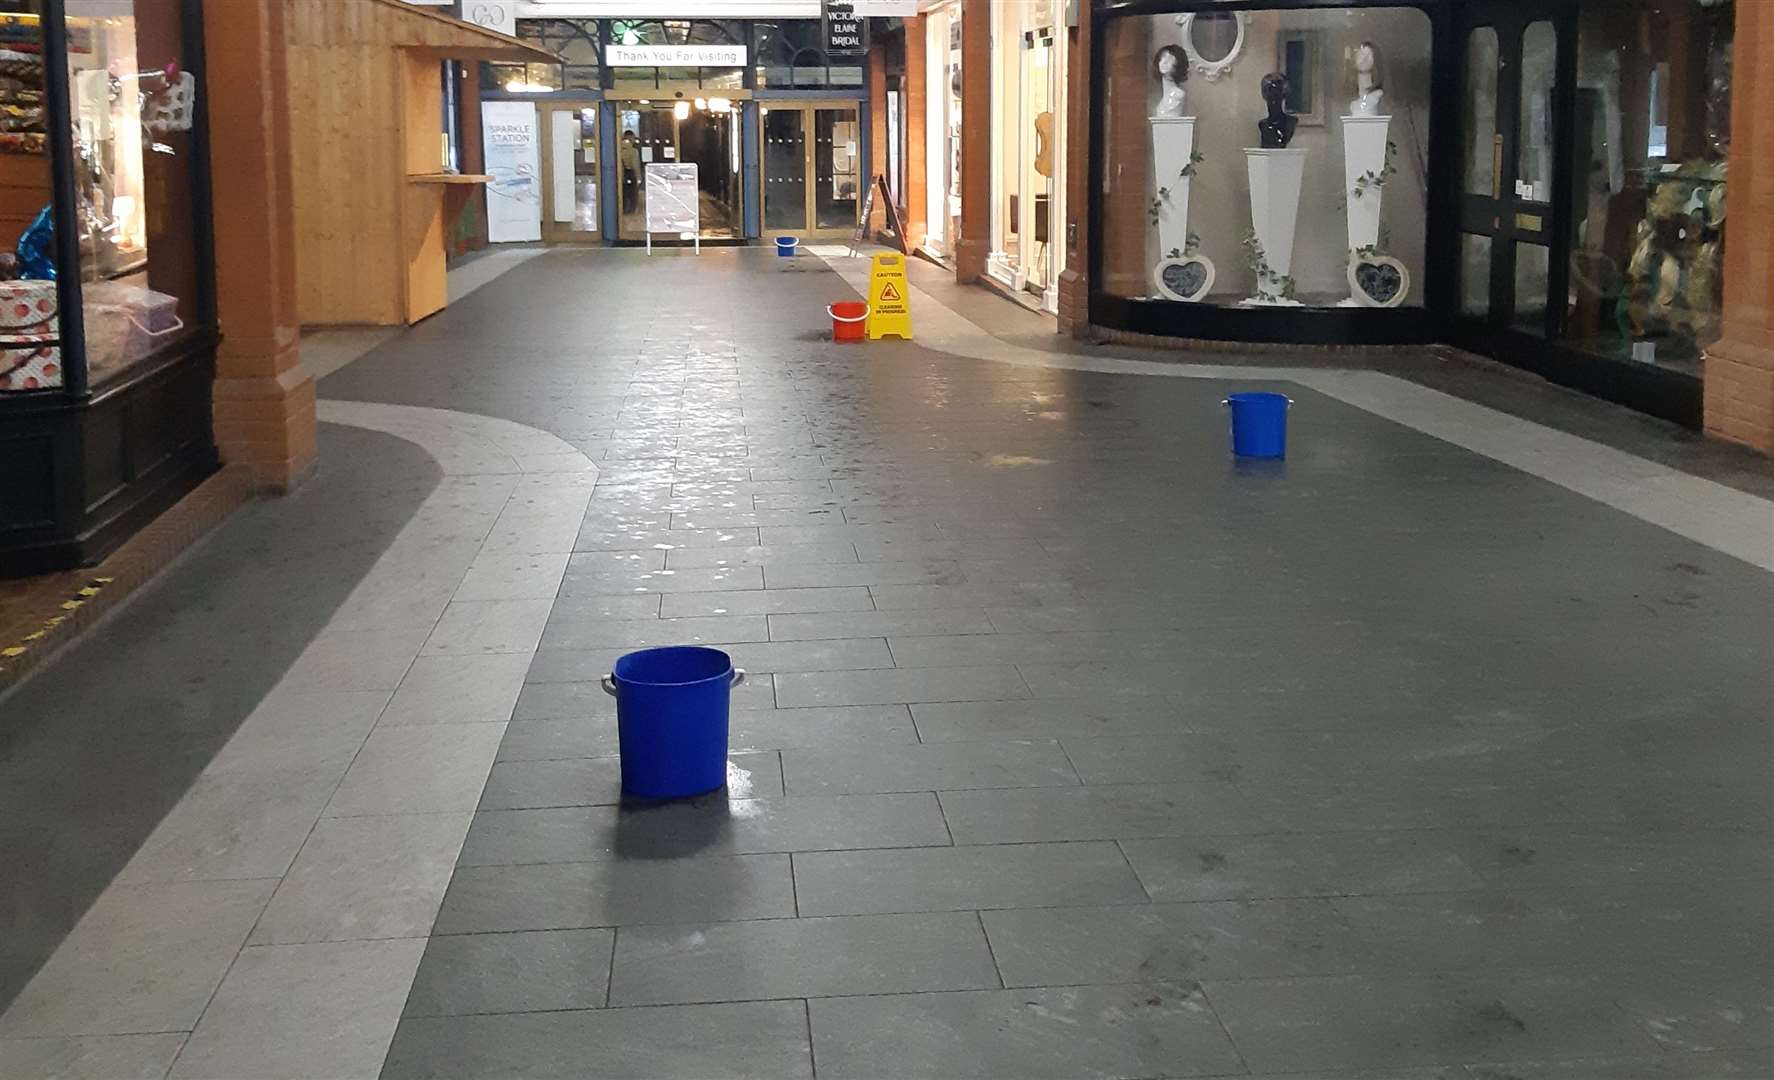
703 131
813 182
1510 266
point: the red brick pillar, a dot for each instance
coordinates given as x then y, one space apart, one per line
917 91
1127 157
976 148
264 400
1074 280
1740 365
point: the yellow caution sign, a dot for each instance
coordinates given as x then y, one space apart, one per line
890 302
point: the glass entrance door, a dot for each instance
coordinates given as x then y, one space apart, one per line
1511 128
813 182
705 132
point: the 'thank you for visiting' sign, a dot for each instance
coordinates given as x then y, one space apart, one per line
674 55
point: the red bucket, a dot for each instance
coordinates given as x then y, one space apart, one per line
850 320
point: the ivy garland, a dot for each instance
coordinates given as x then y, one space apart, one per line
1156 210
1271 286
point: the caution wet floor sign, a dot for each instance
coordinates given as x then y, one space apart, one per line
890 305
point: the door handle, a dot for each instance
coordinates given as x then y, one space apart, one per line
1496 166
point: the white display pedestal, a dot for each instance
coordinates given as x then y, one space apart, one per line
1364 154
1275 179
1184 276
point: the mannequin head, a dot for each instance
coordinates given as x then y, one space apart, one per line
1366 62
1275 91
1171 64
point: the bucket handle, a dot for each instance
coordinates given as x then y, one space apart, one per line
609 681
1228 401
839 318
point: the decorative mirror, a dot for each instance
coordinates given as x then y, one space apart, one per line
1213 40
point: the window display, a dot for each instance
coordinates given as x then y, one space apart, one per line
1653 135
30 336
1288 209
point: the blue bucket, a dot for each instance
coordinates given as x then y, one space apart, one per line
671 719
1259 424
786 245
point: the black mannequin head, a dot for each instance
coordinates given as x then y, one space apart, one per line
1275 91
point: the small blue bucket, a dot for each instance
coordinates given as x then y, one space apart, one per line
671 719
786 245
1259 424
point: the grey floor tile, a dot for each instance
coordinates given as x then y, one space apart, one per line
1172 942
544 740
599 579
497 576
1128 1031
595 609
840 727
582 700
711 825
829 575
797 958
529 971
899 686
91 1057
631 634
525 785
296 732
941 767
843 654
596 537
1105 812
1578 928
372 660
458 690
473 627
782 554
418 769
1302 864
963 878
365 877
617 893
747 1041
876 624
144 958
765 602
1358 1021
964 721
237 825
1553 855
292 1012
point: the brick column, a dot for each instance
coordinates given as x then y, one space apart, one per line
264 400
1074 280
976 149
1740 365
917 165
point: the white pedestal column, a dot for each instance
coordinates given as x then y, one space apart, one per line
1275 179
1364 155
1183 275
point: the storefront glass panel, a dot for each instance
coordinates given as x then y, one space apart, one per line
1215 193
835 164
30 353
785 169
704 132
1652 137
942 128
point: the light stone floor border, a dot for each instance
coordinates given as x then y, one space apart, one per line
1725 519
272 924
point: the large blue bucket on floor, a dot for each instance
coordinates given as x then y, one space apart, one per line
671 719
1259 424
786 245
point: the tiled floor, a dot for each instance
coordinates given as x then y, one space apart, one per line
1070 748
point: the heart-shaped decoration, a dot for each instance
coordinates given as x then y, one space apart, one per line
1378 281
1185 279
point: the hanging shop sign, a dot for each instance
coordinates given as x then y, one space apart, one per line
514 162
674 55
844 28
499 16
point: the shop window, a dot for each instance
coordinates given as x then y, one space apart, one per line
1652 130
790 56
1223 187
30 349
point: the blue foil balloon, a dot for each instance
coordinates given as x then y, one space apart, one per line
36 260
